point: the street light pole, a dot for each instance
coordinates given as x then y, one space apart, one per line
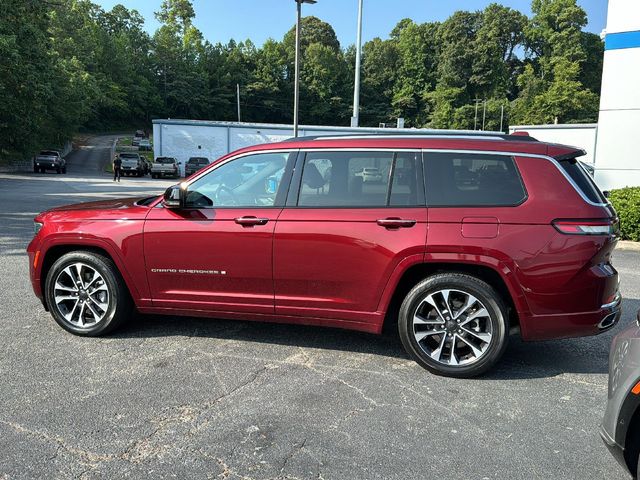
296 86
355 120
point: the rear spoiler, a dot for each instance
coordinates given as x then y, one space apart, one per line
578 152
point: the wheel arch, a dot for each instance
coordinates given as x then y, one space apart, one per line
55 251
411 274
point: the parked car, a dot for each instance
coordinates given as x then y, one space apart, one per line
621 425
144 145
370 174
194 164
261 234
139 135
133 164
165 167
49 160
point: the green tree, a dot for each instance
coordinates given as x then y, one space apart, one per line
550 87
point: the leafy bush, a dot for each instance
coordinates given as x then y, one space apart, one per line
626 201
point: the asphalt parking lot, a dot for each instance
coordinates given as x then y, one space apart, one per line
169 397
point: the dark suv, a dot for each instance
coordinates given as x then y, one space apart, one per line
466 239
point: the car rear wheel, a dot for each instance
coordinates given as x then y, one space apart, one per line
86 294
454 325
64 169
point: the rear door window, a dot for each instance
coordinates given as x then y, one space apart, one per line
361 179
473 180
583 180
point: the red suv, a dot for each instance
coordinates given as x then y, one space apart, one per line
460 239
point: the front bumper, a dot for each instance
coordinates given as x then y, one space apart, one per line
616 450
47 164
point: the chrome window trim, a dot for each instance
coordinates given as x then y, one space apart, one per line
423 150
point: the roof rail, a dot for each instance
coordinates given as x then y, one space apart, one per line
461 134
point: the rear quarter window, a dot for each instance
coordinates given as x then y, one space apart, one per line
582 180
472 180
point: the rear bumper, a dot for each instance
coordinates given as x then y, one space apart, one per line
547 327
163 173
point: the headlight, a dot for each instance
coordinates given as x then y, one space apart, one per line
37 226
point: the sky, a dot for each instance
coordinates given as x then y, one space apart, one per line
258 20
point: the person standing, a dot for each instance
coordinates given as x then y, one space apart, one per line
117 166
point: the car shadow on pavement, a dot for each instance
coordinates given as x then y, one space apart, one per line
588 355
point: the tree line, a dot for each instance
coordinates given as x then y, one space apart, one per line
69 65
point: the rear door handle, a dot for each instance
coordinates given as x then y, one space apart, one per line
251 221
396 223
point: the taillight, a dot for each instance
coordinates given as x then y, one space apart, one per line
586 227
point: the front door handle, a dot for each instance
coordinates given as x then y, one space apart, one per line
251 221
396 223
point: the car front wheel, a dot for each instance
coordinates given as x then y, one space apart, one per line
454 325
86 294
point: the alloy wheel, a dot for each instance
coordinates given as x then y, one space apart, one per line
81 295
452 327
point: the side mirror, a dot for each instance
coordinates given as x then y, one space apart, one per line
606 193
174 197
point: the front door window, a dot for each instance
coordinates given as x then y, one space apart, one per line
251 181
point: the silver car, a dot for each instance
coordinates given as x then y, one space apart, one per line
621 425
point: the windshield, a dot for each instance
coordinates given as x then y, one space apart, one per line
129 156
49 153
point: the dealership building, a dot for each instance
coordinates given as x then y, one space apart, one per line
612 145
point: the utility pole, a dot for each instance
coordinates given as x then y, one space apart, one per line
355 120
484 113
475 119
238 98
501 117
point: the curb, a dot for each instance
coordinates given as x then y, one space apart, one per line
628 245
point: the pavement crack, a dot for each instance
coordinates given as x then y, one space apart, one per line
296 449
149 447
86 455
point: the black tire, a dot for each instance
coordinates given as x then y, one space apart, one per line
58 170
119 301
64 169
497 321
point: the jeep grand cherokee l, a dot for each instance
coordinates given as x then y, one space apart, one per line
467 238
